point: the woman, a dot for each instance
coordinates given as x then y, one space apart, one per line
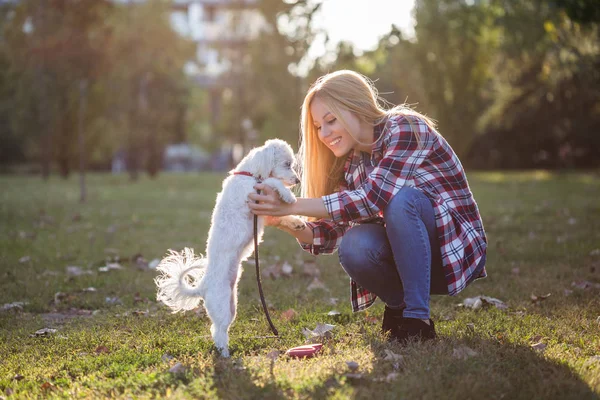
389 193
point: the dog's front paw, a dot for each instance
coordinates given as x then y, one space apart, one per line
288 197
292 222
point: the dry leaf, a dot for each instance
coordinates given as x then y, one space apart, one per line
585 285
316 284
24 259
536 299
177 369
539 346
310 269
333 313
288 315
463 352
273 355
320 331
73 270
18 377
110 266
43 332
16 306
286 269
102 350
391 356
536 339
482 301
154 263
352 365
47 386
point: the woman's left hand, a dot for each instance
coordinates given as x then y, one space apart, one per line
269 202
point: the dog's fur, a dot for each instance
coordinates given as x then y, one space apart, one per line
185 279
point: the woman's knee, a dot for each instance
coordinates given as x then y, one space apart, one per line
406 200
361 246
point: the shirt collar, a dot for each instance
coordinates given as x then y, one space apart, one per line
378 133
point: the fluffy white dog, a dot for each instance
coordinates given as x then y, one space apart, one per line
186 279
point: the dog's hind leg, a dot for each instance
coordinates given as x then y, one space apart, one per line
221 306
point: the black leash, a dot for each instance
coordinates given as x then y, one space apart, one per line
260 290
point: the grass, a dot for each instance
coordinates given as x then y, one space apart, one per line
116 341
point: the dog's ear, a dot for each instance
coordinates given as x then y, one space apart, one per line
265 161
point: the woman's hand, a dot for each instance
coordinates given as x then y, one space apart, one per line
269 202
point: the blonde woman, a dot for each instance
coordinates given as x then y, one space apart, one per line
384 189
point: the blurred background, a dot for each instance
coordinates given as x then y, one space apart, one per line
144 86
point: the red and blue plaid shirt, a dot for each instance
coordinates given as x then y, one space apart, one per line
398 160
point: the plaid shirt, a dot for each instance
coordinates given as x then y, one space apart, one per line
371 182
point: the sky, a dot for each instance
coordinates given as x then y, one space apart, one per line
362 22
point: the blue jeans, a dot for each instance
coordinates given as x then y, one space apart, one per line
400 262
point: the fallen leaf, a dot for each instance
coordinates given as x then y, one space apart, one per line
73 270
333 313
273 272
18 377
316 284
463 352
47 386
320 331
273 355
24 259
112 300
536 299
310 269
154 263
595 252
482 301
178 369
371 319
287 269
110 266
288 315
391 356
539 346
102 350
536 339
585 285
43 332
89 289
352 365
392 376
16 306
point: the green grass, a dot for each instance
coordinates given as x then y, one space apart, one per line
543 229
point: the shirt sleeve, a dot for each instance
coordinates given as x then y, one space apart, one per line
402 156
327 236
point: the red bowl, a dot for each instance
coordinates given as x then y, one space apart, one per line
305 351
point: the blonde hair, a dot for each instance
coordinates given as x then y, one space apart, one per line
346 90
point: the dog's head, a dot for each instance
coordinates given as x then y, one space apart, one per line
274 159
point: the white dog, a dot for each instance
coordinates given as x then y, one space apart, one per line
186 279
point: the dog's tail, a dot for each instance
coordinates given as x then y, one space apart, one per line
180 278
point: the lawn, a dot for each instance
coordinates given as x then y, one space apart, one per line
107 336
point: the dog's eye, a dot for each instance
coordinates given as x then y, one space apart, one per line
288 164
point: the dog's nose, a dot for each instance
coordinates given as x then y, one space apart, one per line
297 181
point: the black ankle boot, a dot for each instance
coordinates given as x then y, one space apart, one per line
391 320
413 328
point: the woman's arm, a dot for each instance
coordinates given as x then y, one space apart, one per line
270 204
305 235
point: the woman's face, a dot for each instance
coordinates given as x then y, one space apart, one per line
331 131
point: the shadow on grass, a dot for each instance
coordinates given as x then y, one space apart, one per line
469 368
234 381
